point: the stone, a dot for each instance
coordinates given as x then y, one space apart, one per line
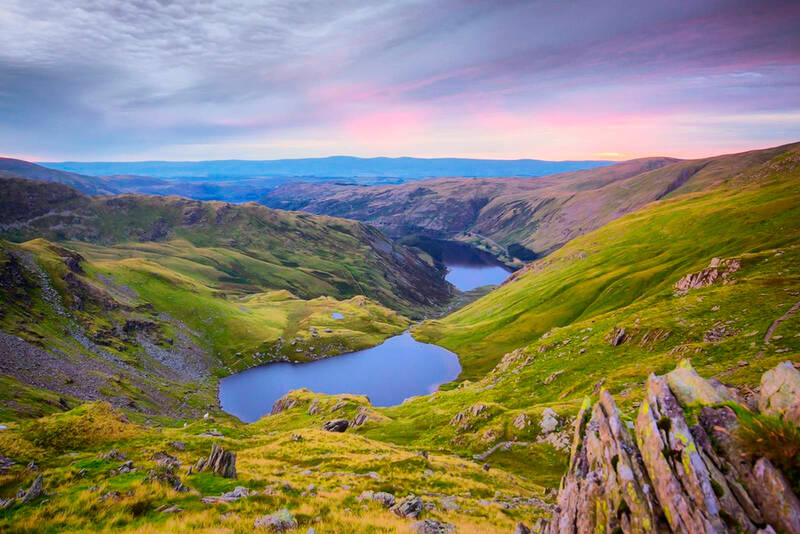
410 507
617 336
336 425
220 462
35 491
171 510
177 445
239 492
314 408
780 392
549 422
521 529
718 269
387 500
280 521
521 421
689 388
778 504
429 526
164 459
552 377
360 418
114 455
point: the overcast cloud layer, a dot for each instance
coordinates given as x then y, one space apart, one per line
211 79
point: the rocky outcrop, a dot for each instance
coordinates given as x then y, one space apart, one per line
717 270
780 393
336 425
220 462
667 472
409 507
429 526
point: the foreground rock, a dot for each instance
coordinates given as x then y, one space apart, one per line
668 475
280 521
220 462
429 526
410 507
35 491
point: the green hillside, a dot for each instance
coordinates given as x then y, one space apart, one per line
626 262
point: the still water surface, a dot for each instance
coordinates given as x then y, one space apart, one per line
399 368
469 267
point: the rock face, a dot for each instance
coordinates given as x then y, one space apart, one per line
336 425
669 474
36 490
718 269
220 462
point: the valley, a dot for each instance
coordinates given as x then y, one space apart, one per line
127 318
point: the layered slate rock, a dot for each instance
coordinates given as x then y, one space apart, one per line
220 462
673 469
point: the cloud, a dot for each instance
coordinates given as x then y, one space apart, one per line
103 79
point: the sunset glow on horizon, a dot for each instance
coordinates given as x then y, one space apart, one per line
98 80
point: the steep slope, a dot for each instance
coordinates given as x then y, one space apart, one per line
236 248
540 214
90 185
626 261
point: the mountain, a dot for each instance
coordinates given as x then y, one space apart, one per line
538 215
330 167
578 409
90 185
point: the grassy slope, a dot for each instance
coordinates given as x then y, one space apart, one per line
235 331
628 260
234 248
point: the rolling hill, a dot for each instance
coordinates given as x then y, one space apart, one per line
10 168
540 214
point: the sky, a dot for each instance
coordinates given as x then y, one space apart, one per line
117 80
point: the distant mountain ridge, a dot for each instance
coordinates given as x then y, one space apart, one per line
329 167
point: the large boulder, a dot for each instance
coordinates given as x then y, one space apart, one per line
280 521
780 392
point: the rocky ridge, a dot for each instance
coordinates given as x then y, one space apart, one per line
682 465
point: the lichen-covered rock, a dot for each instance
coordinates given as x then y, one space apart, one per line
549 422
410 507
521 421
672 477
280 521
780 392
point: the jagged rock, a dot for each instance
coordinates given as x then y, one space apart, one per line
673 477
718 269
429 526
166 475
336 425
339 405
360 418
164 459
549 422
5 464
410 507
284 403
780 392
477 409
280 521
717 334
220 461
521 529
127 467
617 336
387 500
177 445
521 421
552 377
313 408
36 490
240 492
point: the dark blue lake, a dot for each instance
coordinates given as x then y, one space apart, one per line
399 368
467 277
